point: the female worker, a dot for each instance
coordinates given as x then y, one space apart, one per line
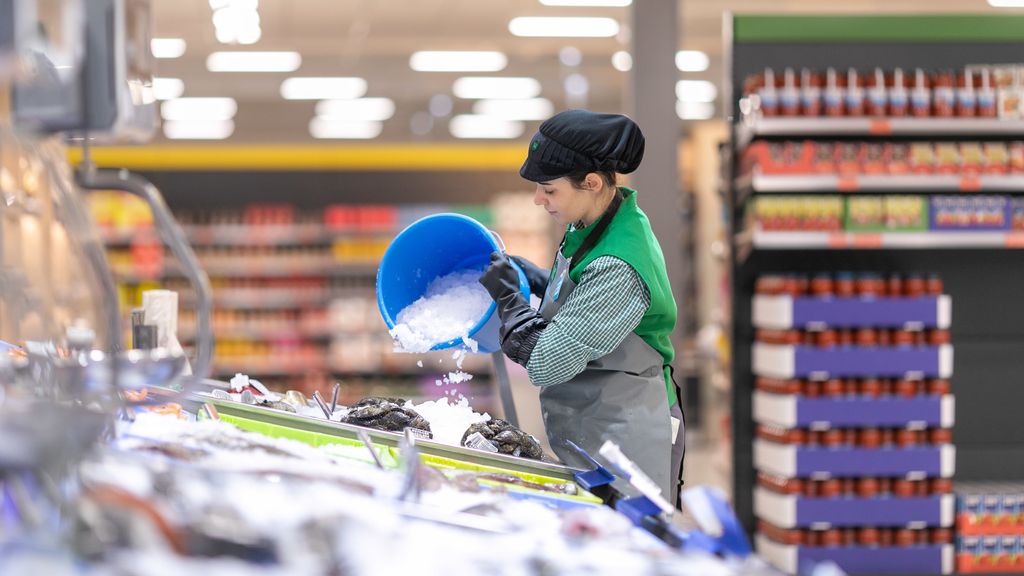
599 347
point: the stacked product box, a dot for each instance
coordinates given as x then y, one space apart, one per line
853 418
990 527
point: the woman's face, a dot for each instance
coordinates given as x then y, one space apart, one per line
566 203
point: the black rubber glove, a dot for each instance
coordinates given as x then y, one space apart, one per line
521 325
535 275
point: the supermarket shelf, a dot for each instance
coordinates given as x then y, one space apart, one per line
798 412
250 235
261 334
784 361
259 269
792 461
782 312
231 367
932 558
818 126
796 511
267 299
791 183
885 240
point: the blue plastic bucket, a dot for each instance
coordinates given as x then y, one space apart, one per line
432 247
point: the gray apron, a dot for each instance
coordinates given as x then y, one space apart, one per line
618 397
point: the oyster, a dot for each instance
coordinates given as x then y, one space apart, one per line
507 438
385 414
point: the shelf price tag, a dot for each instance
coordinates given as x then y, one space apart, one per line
866 241
1015 240
837 240
880 127
970 184
847 183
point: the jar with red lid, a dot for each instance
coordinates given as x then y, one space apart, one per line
884 337
832 538
866 338
938 386
870 386
821 285
812 538
914 286
770 284
832 438
921 95
832 387
923 536
921 487
938 337
943 94
850 387
902 338
845 337
884 486
802 280
905 538
850 484
886 537
811 488
940 486
877 101
869 437
854 93
845 286
826 339
849 536
902 488
791 285
920 338
815 438
768 96
894 285
867 487
810 92
869 285
899 97
937 436
834 92
868 536
831 488
966 102
906 438
812 389
941 536
933 285
886 387
888 436
906 388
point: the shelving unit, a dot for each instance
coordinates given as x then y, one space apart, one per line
982 272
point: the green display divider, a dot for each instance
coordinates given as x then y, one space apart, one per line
895 28
389 457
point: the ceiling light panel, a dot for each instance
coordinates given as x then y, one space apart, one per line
692 61
323 88
360 109
198 109
457 61
696 91
563 27
253 62
193 130
324 127
529 109
496 87
476 126
167 47
587 3
168 88
694 110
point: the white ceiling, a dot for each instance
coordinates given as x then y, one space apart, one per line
374 39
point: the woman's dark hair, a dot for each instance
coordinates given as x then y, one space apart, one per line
578 178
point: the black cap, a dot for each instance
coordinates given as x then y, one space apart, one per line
583 141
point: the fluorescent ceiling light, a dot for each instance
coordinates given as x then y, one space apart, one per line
495 87
242 4
694 110
1006 3
236 18
692 61
457 61
323 88
622 61
168 88
563 27
167 47
323 127
199 109
696 91
192 130
595 3
360 109
253 61
475 126
530 109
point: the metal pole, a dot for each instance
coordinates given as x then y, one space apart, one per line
508 405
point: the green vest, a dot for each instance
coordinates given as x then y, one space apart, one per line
629 238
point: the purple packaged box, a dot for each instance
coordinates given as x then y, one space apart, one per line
970 213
